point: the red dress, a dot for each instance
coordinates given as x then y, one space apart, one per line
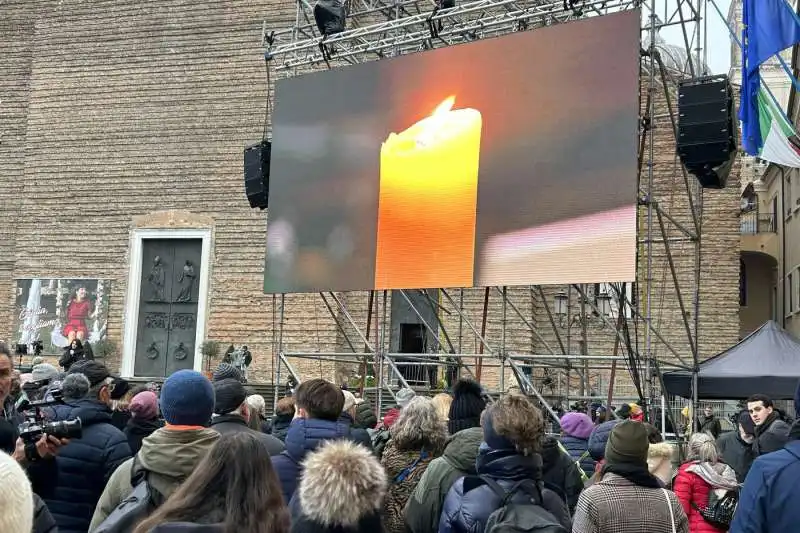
77 313
691 488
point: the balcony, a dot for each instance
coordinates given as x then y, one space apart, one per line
753 223
759 233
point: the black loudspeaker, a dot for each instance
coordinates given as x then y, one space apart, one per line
706 129
330 16
256 173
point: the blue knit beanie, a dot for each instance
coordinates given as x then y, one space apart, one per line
187 399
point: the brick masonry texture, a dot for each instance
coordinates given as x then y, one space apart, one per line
122 114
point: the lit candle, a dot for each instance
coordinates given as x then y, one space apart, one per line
428 200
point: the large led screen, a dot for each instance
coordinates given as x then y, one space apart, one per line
505 161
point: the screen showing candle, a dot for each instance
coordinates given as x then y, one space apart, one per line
505 161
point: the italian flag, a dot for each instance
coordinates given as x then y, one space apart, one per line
781 144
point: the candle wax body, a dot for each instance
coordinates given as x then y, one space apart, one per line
427 203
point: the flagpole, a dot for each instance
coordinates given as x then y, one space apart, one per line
793 11
786 68
789 72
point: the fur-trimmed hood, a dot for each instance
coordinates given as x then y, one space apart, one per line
661 450
659 461
342 483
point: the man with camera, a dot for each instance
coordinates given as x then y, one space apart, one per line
71 482
46 446
7 410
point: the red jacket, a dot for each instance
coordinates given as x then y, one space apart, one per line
691 488
391 417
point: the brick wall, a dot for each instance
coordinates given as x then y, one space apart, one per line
119 115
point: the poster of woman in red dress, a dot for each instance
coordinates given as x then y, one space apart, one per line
78 311
57 311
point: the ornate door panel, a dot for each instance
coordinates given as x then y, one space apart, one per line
167 306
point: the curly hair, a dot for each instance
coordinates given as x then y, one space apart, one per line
518 420
420 426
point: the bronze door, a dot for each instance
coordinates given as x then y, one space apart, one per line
165 340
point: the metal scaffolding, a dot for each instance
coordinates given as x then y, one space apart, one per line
380 28
409 29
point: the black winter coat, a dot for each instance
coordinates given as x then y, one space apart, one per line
120 419
72 482
560 473
9 412
357 434
578 448
280 426
371 523
736 453
229 424
137 429
43 521
771 436
365 416
470 501
710 424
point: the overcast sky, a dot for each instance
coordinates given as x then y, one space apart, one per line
719 40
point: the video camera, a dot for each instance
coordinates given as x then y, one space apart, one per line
35 424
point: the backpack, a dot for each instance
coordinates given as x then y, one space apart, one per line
379 441
520 517
720 510
139 504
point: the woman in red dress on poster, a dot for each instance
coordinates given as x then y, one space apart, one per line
79 309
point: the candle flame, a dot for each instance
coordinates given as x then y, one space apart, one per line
445 106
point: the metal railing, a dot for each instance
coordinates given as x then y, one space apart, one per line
753 223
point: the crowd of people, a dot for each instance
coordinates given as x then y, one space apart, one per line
201 455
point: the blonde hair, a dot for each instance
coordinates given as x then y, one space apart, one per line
703 448
442 403
257 403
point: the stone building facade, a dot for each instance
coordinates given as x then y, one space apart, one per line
124 122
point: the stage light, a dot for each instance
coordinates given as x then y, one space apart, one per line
330 16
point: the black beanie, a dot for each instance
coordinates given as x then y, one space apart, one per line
746 423
229 395
467 406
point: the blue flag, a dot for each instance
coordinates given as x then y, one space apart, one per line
770 26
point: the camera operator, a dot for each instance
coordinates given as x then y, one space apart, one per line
42 519
72 482
47 447
8 411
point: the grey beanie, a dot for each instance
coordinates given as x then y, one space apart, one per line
43 372
226 371
404 396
